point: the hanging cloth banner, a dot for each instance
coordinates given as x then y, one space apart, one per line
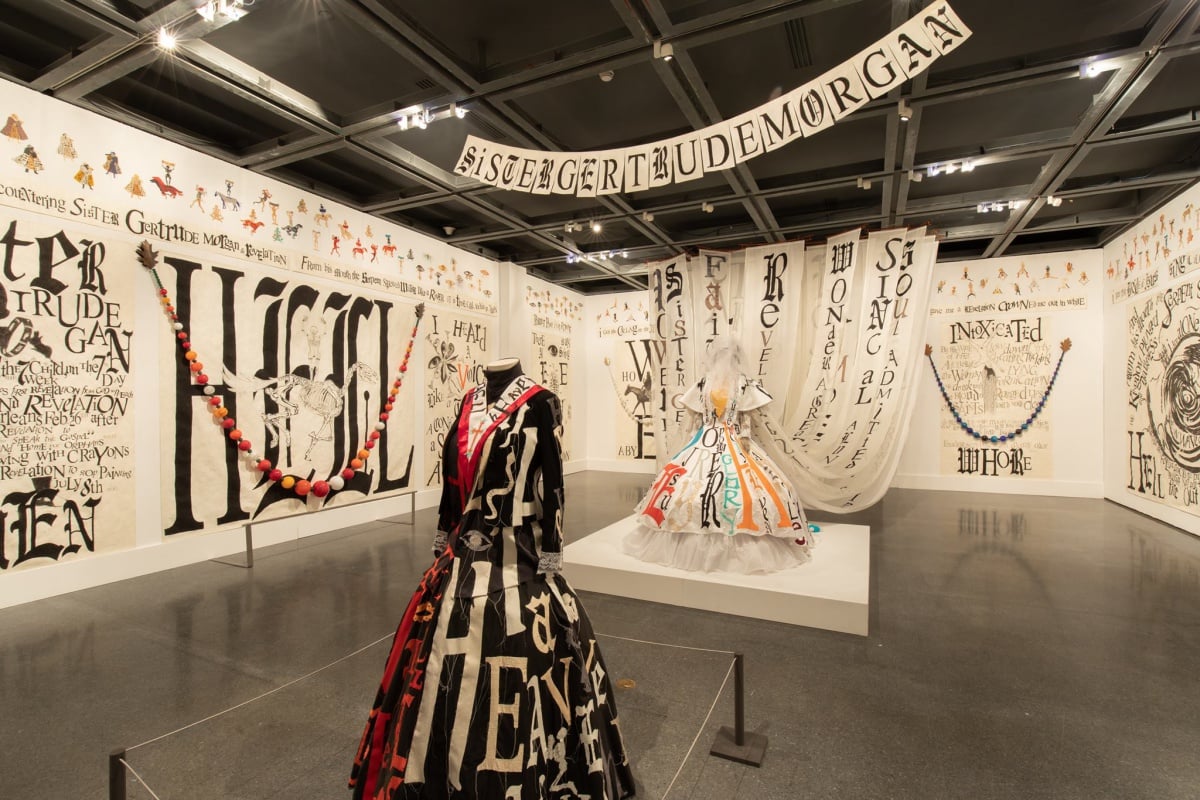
712 282
771 310
851 465
825 380
869 74
671 309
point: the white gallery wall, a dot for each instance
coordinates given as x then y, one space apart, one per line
996 333
1152 375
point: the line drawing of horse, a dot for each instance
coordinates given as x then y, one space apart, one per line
321 218
389 249
640 393
227 200
295 393
358 250
252 224
292 230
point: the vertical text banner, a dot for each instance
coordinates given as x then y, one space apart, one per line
671 306
66 427
457 346
771 311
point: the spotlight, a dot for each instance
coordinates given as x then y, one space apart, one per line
1054 201
596 227
663 50
647 216
1094 68
933 170
863 183
403 122
968 166
449 230
951 168
706 207
166 39
607 75
457 110
915 176
905 111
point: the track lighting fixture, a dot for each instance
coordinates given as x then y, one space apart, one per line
1054 201
166 39
647 216
905 111
863 183
233 9
968 166
663 50
596 227
916 176
607 75
706 207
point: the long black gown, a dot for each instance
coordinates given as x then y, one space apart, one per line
495 687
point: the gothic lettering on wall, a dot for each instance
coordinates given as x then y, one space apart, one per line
996 371
1162 379
671 286
303 369
456 348
66 436
631 356
555 317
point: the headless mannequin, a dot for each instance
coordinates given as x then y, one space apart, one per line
499 374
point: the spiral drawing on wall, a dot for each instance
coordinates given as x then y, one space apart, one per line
1174 405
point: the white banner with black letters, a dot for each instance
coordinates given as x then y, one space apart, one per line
869 74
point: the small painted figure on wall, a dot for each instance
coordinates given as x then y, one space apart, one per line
13 128
84 176
29 160
112 165
66 148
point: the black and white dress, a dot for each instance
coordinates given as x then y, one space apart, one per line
495 687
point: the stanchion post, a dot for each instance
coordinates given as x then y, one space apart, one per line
116 775
735 743
249 547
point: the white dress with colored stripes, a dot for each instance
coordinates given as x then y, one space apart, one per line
721 504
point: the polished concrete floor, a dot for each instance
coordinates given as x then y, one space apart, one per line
1020 648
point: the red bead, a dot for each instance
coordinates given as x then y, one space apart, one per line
163 292
196 366
387 407
396 383
171 309
275 474
201 379
383 417
404 367
303 487
369 445
182 335
264 466
373 435
186 345
214 401
244 445
228 423
320 488
348 473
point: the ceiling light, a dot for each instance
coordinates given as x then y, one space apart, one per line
968 166
905 111
1016 205
596 227
607 75
863 183
663 50
1054 201
1094 68
624 254
706 207
233 9
916 176
403 122
933 170
571 258
449 229
421 119
647 216
951 168
166 39
457 110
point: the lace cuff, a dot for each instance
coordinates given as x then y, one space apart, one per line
549 563
440 540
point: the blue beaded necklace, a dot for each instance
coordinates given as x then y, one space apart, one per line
1015 432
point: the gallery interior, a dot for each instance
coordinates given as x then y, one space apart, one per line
631 398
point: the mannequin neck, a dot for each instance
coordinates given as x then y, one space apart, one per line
499 374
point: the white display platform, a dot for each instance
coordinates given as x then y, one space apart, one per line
829 592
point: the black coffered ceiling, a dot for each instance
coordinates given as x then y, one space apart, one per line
307 91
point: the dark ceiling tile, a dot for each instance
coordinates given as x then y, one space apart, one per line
1137 159
856 143
352 173
36 33
319 51
1175 89
633 108
984 178
168 94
